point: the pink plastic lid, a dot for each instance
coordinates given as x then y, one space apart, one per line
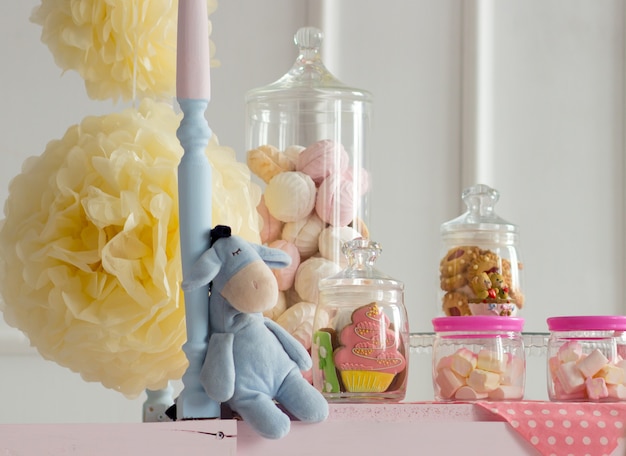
478 323
587 323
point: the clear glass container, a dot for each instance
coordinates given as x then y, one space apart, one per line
586 358
360 344
480 270
307 136
478 358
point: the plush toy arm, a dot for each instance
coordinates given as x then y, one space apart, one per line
294 349
218 371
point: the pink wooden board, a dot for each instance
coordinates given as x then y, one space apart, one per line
187 438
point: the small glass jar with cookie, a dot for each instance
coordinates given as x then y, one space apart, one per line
480 271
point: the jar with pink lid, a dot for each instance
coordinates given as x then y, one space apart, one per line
478 358
587 358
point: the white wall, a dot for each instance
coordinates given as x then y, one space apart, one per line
531 102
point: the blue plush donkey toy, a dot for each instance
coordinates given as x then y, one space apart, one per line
250 359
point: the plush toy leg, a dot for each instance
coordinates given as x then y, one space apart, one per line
301 399
261 413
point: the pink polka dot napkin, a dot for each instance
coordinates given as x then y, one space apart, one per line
565 428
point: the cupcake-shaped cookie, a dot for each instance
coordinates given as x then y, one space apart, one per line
368 358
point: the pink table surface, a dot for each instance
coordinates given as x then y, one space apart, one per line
486 428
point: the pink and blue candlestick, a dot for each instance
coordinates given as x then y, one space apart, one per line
193 91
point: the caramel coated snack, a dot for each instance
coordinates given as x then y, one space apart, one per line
478 282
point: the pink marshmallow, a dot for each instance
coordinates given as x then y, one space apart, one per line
465 393
491 361
596 388
446 361
561 395
592 363
570 351
448 383
514 372
321 159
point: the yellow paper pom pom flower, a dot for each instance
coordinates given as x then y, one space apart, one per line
90 265
122 48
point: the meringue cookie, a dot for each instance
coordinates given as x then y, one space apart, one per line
334 203
304 233
267 161
292 153
286 276
321 159
331 240
290 196
298 321
309 274
271 228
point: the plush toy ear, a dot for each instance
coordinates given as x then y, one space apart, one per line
274 258
203 271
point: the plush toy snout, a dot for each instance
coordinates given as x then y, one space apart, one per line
252 289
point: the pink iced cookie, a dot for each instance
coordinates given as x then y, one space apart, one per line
321 159
272 227
334 203
286 276
368 343
290 196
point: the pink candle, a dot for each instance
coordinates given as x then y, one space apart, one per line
193 76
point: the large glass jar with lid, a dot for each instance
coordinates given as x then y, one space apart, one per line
360 345
307 137
480 270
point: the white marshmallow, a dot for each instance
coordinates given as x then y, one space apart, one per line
612 375
463 362
483 381
596 388
592 363
506 392
570 377
491 361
